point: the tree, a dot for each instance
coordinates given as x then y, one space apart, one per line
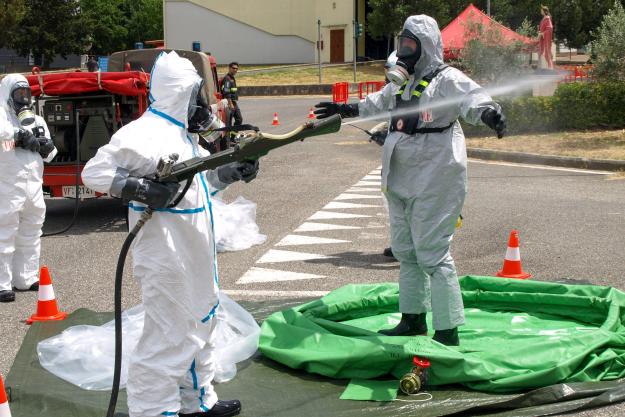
144 20
528 29
105 24
488 57
387 16
48 28
574 20
12 13
609 46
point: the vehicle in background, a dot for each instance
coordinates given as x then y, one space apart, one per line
84 109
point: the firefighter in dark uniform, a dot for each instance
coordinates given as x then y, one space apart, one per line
229 92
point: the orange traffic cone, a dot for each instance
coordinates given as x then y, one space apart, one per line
311 115
4 403
512 262
275 120
46 306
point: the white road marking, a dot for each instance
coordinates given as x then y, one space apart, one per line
274 255
317 227
346 196
325 215
272 294
294 240
257 275
338 205
363 190
512 164
368 184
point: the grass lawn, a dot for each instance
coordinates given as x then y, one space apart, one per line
601 144
309 75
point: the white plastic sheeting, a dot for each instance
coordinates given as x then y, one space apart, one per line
84 355
235 224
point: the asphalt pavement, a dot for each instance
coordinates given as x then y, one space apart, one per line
570 225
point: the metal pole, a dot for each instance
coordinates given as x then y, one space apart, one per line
319 46
488 7
355 50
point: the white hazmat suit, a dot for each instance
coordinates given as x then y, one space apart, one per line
23 210
174 255
424 176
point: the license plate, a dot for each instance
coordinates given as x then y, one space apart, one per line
83 192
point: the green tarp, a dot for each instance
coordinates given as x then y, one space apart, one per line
518 335
269 389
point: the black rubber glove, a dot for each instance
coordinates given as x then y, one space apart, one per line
236 171
249 169
379 137
327 109
151 193
26 140
495 120
46 146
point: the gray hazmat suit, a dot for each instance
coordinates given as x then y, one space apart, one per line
23 210
424 177
174 255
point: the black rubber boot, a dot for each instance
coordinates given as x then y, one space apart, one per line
447 337
409 325
388 252
33 287
7 296
220 409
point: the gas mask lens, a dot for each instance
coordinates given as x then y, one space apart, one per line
407 47
193 100
199 111
408 55
21 98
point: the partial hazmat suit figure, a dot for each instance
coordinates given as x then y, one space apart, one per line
174 254
424 171
25 144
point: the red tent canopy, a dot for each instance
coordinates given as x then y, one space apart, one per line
455 36
128 83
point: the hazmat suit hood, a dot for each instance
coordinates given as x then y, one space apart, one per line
426 30
171 84
6 85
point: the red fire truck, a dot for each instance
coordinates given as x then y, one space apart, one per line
84 109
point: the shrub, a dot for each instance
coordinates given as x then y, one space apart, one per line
590 105
575 106
488 57
609 46
524 115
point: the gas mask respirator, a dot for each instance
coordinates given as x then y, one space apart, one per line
21 102
199 113
408 54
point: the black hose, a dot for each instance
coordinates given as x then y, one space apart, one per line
119 274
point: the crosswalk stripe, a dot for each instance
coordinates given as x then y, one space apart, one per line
294 240
275 255
258 275
317 227
363 190
368 184
325 215
346 196
334 205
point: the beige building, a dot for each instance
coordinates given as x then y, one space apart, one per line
265 31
